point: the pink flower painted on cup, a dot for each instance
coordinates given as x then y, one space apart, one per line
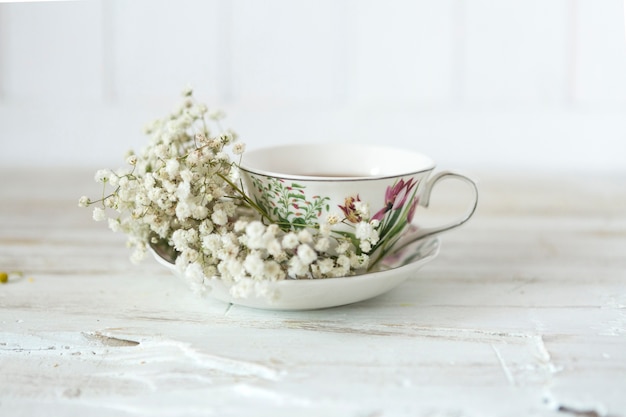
395 197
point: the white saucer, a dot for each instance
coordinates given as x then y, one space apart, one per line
313 294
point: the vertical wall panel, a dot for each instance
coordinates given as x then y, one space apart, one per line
284 50
51 51
503 75
600 63
516 52
404 51
161 46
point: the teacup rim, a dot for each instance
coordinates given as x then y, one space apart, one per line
301 177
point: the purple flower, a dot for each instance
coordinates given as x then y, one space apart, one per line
395 197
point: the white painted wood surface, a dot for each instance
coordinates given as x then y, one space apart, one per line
522 314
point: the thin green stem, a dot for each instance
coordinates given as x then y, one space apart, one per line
244 196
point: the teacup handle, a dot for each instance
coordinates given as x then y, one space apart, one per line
421 233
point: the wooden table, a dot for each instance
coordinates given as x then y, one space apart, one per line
523 313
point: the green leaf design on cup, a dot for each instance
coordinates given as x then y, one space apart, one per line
287 203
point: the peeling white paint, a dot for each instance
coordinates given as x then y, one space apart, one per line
497 326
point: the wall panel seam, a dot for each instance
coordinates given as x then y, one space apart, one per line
108 81
224 67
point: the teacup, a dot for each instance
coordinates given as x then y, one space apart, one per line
307 185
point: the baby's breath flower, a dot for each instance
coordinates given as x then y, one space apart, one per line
216 115
363 209
185 120
322 244
161 151
305 236
235 268
365 245
183 210
234 136
194 274
290 241
255 229
138 255
239 148
199 212
99 214
212 243
84 201
280 257
240 225
297 268
201 138
254 265
179 239
172 167
343 266
114 180
325 229
189 255
272 230
274 248
364 230
359 261
273 271
182 189
219 217
215 143
187 91
222 157
325 265
234 174
132 160
342 247
226 138
102 175
114 225
186 175
306 254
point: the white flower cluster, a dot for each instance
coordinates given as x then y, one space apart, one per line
253 252
183 192
367 234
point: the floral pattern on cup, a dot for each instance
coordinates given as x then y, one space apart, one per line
288 205
350 211
390 221
396 197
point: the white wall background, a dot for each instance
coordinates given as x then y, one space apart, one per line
476 84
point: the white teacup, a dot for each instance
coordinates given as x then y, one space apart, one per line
304 185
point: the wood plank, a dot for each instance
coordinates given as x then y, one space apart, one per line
529 325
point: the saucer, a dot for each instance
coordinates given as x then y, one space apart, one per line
311 294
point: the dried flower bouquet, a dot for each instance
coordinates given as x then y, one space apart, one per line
182 196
